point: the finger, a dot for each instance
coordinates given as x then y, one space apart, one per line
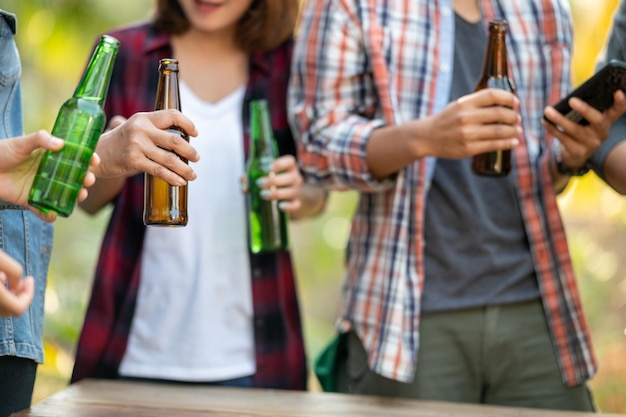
40 139
290 206
49 217
243 182
490 97
17 302
163 119
569 144
283 194
95 160
82 195
171 140
167 175
283 179
90 179
495 115
12 268
591 114
482 146
284 163
562 123
619 106
116 121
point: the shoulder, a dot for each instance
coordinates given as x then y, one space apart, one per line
277 58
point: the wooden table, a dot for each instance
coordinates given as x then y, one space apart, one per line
100 398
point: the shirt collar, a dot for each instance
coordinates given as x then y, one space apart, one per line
156 40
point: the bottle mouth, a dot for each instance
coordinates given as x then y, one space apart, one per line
498 25
109 40
170 64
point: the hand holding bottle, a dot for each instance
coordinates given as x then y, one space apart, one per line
284 183
147 147
18 164
480 122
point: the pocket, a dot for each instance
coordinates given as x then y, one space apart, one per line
325 365
357 362
9 57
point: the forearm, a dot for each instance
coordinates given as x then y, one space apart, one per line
614 169
390 149
102 193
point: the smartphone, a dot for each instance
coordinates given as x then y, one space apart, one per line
597 91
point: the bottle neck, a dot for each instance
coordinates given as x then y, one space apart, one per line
496 64
261 133
94 83
168 94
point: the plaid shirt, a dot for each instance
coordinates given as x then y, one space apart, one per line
280 357
364 64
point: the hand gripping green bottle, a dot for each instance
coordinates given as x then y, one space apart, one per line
268 224
80 123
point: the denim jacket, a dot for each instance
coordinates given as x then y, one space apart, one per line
23 235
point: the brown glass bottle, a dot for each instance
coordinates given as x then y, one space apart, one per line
495 75
165 204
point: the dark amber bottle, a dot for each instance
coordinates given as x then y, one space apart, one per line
165 204
495 75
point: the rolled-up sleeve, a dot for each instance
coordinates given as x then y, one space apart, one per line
615 49
332 98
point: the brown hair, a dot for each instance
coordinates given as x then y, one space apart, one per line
266 24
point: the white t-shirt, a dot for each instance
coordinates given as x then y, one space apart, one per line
193 319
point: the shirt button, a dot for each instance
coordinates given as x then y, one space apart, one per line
445 68
259 322
446 11
256 273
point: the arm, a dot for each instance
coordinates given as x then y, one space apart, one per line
608 161
297 198
615 169
141 144
335 111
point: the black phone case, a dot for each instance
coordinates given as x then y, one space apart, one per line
597 91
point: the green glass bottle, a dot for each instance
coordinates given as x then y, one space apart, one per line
80 123
268 224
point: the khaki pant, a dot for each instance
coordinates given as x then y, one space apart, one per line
500 355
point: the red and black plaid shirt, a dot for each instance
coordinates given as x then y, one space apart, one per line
280 357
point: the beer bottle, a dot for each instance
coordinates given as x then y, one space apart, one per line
495 75
165 204
80 123
268 224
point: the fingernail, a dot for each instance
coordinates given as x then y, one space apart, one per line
56 141
261 182
265 193
282 206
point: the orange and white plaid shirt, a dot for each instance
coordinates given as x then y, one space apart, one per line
362 64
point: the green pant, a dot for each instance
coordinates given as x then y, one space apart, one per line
501 355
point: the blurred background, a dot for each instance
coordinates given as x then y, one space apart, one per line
55 39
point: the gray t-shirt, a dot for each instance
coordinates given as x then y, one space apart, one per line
476 249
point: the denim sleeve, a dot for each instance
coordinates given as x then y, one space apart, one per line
615 49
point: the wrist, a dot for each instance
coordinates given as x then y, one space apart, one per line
560 166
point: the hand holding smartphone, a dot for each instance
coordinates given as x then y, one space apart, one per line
597 91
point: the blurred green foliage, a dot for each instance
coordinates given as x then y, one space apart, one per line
55 38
